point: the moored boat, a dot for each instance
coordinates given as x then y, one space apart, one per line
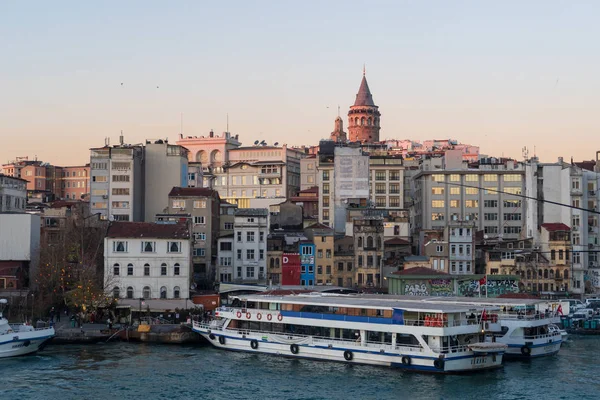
21 339
358 329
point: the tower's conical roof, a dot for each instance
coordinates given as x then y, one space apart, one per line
364 96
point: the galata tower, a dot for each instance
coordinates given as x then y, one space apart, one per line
363 117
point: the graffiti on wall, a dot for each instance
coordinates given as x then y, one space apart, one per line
594 276
493 288
416 289
441 287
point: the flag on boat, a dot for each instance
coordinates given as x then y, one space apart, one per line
483 315
559 310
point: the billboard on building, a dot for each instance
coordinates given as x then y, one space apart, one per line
290 269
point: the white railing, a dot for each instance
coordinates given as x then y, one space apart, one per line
528 317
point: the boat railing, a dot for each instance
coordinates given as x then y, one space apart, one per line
511 315
451 349
544 336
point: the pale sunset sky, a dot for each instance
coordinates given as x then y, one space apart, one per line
501 75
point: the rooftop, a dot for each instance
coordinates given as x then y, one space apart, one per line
364 97
396 241
148 230
419 271
251 212
191 192
555 227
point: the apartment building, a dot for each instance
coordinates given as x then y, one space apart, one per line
117 182
250 245
344 274
203 206
165 167
487 193
146 260
307 251
324 246
368 249
308 172
13 194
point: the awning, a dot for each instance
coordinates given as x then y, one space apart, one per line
156 305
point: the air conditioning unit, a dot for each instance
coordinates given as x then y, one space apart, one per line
575 227
105 196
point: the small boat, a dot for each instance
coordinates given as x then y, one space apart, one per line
553 328
21 339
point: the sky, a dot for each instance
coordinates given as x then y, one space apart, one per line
500 75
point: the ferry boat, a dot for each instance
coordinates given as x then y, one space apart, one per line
526 324
20 340
443 338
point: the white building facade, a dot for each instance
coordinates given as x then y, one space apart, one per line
250 245
146 260
13 194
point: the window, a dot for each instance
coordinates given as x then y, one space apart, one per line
239 236
239 254
116 270
490 217
437 216
472 178
380 176
512 230
174 247
512 216
226 246
225 261
394 188
437 190
146 292
512 203
120 192
163 269
328 253
176 292
199 220
490 203
437 203
130 292
119 247
146 269
490 191
470 190
490 178
325 175
228 226
99 178
319 253
575 184
250 220
199 203
455 203
439 248
438 178
576 203
249 236
507 255
394 175
261 254
118 165
325 215
454 178
250 272
250 254
454 190
129 269
307 251
394 201
178 203
148 247
512 178
326 188
320 270
163 292
512 190
120 178
261 236
380 188
116 293
199 252
490 229
176 270
380 201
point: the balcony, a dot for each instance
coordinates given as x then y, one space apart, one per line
591 193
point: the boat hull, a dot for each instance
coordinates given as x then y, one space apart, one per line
306 349
23 343
518 351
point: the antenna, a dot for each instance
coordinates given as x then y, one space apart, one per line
227 122
181 124
364 69
121 138
525 153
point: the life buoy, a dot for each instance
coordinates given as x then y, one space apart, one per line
525 350
248 315
427 320
222 340
348 355
239 314
211 336
259 316
294 348
269 317
406 360
439 363
254 344
279 317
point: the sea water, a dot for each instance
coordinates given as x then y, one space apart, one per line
143 371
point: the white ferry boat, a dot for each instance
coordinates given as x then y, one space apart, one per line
527 326
418 336
20 340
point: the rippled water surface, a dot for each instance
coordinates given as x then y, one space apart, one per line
139 371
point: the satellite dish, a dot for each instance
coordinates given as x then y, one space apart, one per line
263 142
256 142
276 144
486 237
193 286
